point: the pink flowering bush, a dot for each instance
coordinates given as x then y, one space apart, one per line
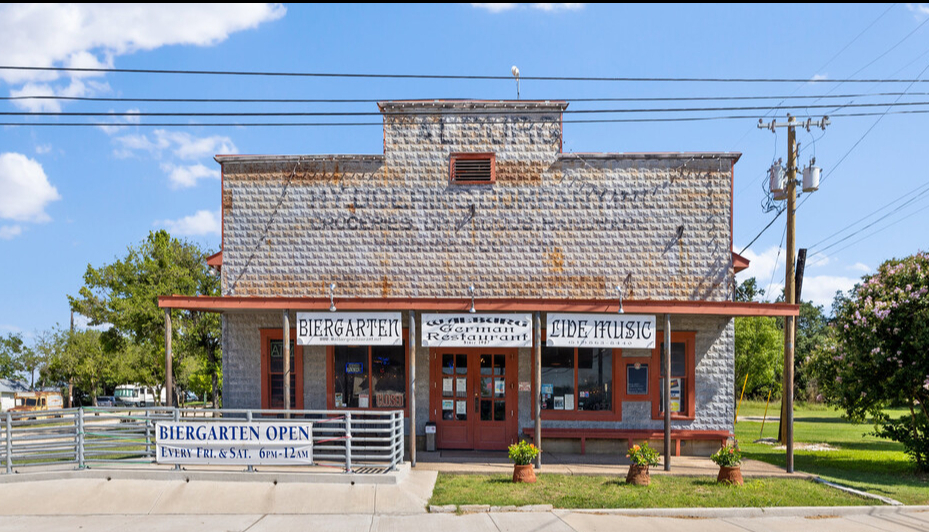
879 353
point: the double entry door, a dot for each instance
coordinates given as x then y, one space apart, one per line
474 398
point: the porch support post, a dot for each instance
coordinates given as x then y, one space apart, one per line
667 392
537 378
411 339
286 315
169 366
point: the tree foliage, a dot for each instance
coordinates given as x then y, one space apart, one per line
881 353
124 296
759 347
11 349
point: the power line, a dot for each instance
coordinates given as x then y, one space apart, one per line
446 112
381 124
448 76
872 213
379 100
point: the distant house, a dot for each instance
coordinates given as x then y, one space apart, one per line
8 389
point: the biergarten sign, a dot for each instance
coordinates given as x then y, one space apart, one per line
349 328
601 330
476 330
234 443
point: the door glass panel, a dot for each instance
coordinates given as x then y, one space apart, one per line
499 364
486 364
448 364
351 376
499 388
500 410
461 364
486 411
487 384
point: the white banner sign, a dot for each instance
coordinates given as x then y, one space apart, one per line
477 330
349 328
234 443
601 330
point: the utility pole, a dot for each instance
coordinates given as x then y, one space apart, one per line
786 428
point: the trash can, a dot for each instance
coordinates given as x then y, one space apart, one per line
430 436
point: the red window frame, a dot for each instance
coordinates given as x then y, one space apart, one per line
688 406
278 334
615 414
330 376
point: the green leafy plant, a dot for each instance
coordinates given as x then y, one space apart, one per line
727 456
523 452
643 455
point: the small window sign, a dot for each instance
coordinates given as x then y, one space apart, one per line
354 368
637 379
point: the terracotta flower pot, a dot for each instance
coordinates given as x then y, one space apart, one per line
730 475
524 473
638 475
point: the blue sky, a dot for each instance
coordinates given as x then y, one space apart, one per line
73 196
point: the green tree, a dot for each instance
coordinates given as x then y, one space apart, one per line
11 349
813 332
124 295
881 354
759 347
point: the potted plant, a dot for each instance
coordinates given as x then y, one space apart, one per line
728 458
641 456
522 454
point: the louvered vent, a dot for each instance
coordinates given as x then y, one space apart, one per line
472 168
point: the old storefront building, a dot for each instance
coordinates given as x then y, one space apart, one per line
474 274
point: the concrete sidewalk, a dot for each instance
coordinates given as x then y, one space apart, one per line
558 521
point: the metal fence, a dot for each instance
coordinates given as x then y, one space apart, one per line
83 437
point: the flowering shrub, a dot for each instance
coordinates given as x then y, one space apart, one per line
879 355
523 452
727 456
643 455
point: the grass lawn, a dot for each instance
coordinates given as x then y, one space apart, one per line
567 491
859 460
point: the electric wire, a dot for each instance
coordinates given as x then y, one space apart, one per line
895 222
446 76
379 100
872 213
446 112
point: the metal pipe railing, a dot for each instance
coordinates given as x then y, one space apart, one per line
94 435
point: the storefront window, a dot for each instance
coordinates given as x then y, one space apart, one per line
369 376
683 375
577 379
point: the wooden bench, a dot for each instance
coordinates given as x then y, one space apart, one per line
631 435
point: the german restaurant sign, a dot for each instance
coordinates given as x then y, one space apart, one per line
600 330
476 330
349 328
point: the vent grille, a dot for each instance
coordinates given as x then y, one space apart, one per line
473 168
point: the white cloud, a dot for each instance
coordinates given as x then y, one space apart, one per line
43 149
187 176
919 9
821 289
24 189
820 77
9 232
558 7
860 267
182 145
199 224
92 35
188 147
768 270
126 118
499 8
495 8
